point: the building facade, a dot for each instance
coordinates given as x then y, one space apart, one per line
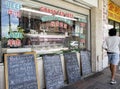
52 26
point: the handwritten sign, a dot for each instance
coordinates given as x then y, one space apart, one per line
20 71
72 67
85 62
53 71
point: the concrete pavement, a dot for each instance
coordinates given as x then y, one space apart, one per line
100 80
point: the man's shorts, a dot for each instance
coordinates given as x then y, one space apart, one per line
113 58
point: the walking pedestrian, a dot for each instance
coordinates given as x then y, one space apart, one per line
112 46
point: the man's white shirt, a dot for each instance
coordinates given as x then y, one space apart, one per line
112 44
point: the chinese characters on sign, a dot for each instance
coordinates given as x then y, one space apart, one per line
13 8
56 12
13 36
14 39
15 43
113 11
58 24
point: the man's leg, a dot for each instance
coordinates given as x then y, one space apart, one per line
111 68
113 71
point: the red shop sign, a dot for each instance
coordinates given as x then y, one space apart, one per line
56 12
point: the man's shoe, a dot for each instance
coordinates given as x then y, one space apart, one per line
113 82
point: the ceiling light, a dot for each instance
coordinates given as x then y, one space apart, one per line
44 13
35 11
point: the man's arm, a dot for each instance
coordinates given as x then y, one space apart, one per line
104 46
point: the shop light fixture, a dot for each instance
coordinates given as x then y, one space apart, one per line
44 13
35 11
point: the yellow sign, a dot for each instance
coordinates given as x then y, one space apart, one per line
113 11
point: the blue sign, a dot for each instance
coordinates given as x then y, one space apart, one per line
13 5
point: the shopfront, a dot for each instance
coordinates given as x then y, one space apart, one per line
114 16
45 28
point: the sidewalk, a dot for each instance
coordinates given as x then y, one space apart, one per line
99 80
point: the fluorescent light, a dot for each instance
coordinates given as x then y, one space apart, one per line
66 17
44 13
35 11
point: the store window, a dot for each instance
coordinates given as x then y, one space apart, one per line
79 34
114 24
42 28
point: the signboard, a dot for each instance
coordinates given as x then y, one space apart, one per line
20 71
13 7
53 71
113 11
56 12
85 62
72 67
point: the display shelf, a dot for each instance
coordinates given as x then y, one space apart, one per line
49 51
46 36
16 50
